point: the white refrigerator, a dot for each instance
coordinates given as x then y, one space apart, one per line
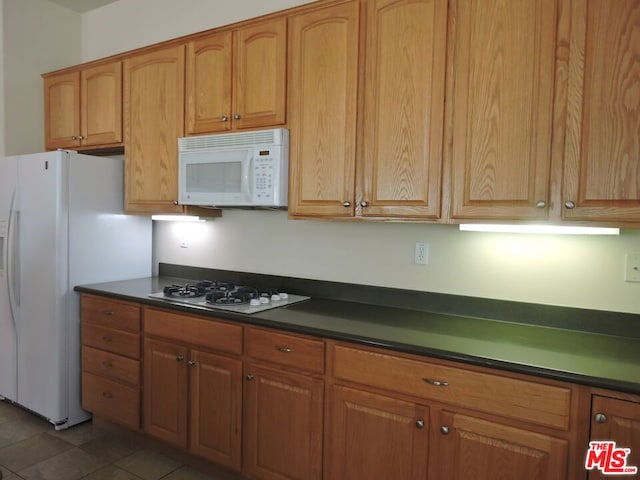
61 225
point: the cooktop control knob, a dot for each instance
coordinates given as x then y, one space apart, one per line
283 296
264 300
275 298
255 302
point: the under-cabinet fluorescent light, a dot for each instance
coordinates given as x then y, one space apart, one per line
543 229
176 218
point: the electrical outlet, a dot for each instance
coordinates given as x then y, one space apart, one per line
632 267
421 254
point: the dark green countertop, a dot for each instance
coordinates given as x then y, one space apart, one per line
594 359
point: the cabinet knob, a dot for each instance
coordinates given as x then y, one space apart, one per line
107 395
107 364
541 204
80 137
444 430
249 377
284 349
224 118
420 423
600 418
107 339
175 202
364 204
570 204
108 313
191 363
74 137
236 116
346 204
180 358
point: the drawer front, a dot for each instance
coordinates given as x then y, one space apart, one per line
288 350
114 341
113 400
111 313
212 334
107 364
530 401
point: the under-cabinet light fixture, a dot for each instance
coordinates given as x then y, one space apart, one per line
177 218
539 229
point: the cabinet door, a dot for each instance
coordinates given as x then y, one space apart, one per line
469 447
602 159
215 408
503 67
101 114
208 84
283 425
260 74
62 111
323 60
165 391
375 437
618 421
403 108
153 121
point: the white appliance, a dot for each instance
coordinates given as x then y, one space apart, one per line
61 224
246 169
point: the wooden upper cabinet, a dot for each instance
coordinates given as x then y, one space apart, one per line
323 78
62 111
153 122
84 108
503 81
602 148
237 79
402 131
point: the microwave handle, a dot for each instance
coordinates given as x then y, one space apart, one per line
248 175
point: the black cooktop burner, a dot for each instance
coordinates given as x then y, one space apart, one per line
184 291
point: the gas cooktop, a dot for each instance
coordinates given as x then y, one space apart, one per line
216 295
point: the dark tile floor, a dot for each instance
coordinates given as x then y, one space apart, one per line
30 449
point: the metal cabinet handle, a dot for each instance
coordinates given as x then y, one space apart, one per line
364 204
600 418
436 383
420 423
570 204
107 395
191 363
107 364
541 204
180 358
444 430
236 116
249 377
107 339
346 204
224 118
284 349
108 313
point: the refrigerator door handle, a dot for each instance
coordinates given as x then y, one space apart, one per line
12 259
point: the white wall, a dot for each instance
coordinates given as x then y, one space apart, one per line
38 37
572 271
129 24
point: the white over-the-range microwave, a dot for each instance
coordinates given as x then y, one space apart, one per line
246 169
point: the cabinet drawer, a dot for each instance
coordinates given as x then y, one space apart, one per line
530 401
114 400
110 365
212 334
111 313
115 341
287 350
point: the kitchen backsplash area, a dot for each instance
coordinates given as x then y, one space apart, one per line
563 270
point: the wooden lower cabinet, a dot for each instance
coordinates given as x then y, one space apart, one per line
192 400
375 437
283 424
473 448
616 420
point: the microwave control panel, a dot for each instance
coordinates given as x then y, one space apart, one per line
265 176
